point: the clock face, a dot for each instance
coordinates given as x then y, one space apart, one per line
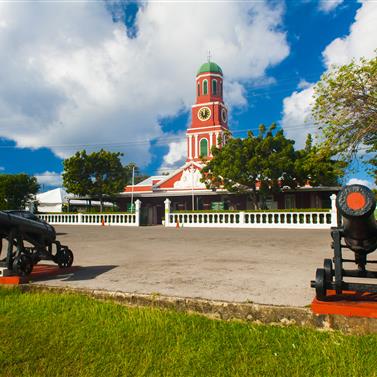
204 113
223 115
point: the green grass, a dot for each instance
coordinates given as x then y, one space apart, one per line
45 334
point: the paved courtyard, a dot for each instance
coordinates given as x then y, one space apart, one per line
262 266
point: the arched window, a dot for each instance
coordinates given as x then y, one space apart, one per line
214 87
205 87
221 89
203 148
198 89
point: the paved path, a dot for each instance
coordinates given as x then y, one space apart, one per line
262 266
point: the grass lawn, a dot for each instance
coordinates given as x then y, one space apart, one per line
45 334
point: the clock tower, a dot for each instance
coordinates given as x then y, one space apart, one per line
209 113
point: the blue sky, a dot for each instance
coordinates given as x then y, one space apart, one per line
120 75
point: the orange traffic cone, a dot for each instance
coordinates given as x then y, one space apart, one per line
177 223
103 221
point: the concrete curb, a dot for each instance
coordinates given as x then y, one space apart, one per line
250 312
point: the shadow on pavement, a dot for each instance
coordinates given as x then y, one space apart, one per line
79 273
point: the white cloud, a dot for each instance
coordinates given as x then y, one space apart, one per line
49 178
297 120
327 6
70 76
361 41
177 153
303 84
2 168
364 182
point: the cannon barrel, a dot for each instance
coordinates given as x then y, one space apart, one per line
356 205
34 230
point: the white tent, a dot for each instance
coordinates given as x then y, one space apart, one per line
52 201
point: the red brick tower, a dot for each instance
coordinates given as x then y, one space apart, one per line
209 114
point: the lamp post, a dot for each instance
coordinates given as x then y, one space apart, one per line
132 190
192 188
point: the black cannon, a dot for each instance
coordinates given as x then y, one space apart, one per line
356 231
30 240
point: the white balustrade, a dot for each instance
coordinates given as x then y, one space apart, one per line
118 219
242 219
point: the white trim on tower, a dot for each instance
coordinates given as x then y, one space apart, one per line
208 74
210 103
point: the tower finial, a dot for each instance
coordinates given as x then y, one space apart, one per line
209 56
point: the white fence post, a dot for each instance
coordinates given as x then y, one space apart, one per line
137 211
167 211
242 217
334 212
79 218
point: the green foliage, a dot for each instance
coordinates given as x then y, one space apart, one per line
59 335
318 165
242 163
97 175
346 108
270 161
16 190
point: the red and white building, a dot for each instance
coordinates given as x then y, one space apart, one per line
183 187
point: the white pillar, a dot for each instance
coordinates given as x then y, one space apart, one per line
210 143
190 146
196 146
167 211
137 211
334 212
79 218
217 139
242 217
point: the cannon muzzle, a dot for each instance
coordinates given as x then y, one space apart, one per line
356 205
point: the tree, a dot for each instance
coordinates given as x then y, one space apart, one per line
256 165
346 108
318 165
98 174
16 190
263 164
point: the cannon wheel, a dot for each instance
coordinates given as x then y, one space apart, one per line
329 271
64 258
22 265
320 283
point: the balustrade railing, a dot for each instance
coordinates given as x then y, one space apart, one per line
297 219
120 219
293 220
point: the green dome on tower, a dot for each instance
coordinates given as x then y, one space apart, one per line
210 67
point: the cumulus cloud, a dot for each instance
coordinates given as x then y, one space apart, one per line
327 6
49 178
177 153
297 120
360 42
72 78
364 182
303 84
